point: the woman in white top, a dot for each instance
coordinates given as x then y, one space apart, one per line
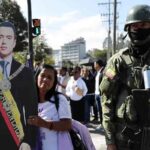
76 90
49 119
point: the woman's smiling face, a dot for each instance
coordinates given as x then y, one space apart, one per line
45 80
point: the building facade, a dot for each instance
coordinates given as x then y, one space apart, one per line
57 56
74 51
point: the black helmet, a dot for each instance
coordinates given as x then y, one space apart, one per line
139 13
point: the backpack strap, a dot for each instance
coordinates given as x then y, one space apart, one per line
56 99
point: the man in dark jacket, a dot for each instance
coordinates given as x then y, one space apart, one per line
89 97
18 98
99 66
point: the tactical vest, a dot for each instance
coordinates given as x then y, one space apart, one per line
130 77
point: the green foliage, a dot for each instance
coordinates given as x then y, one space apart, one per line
20 56
10 10
41 48
39 55
67 63
49 60
97 53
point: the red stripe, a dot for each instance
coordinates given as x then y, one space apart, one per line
9 125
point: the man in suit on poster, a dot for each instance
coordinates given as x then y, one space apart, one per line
18 98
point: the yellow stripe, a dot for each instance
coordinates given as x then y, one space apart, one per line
14 109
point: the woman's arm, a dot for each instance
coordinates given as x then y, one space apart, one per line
62 125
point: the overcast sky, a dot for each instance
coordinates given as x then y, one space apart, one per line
65 20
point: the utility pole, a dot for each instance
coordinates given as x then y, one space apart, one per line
111 50
114 26
109 26
30 55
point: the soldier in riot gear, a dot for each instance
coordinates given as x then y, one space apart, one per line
123 75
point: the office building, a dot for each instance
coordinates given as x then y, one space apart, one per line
74 51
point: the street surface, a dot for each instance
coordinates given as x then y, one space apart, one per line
98 137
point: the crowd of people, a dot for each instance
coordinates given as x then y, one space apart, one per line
39 109
82 89
35 110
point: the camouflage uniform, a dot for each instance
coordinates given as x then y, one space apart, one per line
122 74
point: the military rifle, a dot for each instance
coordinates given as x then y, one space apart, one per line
141 99
139 137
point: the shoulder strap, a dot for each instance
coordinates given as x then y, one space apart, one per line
56 100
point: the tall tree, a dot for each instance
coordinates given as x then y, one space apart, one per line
67 63
41 48
10 11
98 54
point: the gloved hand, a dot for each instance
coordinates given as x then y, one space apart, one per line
24 146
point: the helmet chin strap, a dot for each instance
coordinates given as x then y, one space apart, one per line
124 36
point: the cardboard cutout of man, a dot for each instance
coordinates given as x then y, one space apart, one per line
18 98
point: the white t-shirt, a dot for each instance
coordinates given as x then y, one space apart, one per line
48 111
70 89
63 80
97 83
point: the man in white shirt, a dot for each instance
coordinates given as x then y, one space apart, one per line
76 90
